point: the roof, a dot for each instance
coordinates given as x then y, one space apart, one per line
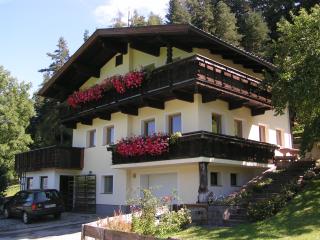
106 43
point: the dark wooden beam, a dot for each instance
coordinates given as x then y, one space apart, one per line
236 104
86 121
209 96
130 110
119 47
72 125
258 111
86 70
153 103
147 48
183 96
104 115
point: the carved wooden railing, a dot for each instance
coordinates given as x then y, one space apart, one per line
49 157
207 144
191 71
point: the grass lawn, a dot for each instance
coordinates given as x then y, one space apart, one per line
12 190
300 220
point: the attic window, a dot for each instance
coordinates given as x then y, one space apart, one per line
119 60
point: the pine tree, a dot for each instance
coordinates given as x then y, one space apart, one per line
45 127
58 57
255 33
86 35
117 21
225 24
137 20
154 19
177 12
201 12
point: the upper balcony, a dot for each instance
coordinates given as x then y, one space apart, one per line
205 144
49 157
178 80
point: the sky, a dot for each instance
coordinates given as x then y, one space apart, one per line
31 28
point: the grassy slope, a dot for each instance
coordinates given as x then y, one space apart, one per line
12 190
300 220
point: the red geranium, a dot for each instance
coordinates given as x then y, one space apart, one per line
154 145
118 82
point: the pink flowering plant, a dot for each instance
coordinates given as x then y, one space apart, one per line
121 83
154 145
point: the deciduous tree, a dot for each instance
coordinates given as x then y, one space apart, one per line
16 109
297 82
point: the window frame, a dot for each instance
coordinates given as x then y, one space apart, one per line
170 122
104 184
236 180
106 140
118 60
41 182
280 137
264 127
219 123
29 186
235 125
218 179
145 123
94 143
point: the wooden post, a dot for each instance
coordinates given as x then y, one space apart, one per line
203 186
169 53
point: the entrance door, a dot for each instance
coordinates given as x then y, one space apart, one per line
85 193
67 191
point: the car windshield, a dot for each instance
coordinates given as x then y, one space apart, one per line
46 196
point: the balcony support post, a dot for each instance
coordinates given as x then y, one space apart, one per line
203 186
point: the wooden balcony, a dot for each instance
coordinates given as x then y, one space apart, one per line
49 157
178 80
207 144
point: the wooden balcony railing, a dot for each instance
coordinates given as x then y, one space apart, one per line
180 79
49 157
206 144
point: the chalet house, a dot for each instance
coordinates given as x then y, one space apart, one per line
168 107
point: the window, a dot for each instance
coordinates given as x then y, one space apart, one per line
216 123
92 138
262 133
29 182
279 137
214 179
119 59
108 184
109 135
174 123
238 128
233 179
44 182
149 127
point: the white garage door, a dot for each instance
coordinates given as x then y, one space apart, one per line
160 184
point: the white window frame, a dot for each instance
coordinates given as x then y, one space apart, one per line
168 117
103 184
94 139
105 134
143 121
219 184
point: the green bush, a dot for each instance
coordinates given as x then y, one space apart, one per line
173 221
144 219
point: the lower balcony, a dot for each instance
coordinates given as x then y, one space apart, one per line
205 144
49 157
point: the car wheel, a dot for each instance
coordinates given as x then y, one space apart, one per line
57 215
6 213
25 218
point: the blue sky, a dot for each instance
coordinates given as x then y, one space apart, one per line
30 29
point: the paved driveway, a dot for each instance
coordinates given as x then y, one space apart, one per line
67 228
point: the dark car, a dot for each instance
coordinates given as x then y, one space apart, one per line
31 204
